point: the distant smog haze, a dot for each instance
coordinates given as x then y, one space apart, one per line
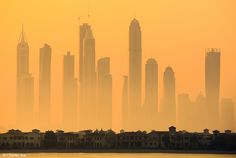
117 65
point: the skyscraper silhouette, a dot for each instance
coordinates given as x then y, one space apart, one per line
151 84
25 85
212 86
83 30
69 93
44 85
104 95
88 80
169 108
135 71
151 93
125 104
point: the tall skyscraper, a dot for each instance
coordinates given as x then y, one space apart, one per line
212 86
22 56
227 114
135 71
25 86
169 108
151 93
88 84
151 85
104 95
125 104
69 93
83 30
44 86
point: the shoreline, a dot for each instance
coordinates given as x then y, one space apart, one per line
29 151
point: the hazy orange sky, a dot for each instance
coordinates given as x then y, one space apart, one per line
175 33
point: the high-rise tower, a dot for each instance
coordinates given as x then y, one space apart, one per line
44 85
104 94
212 86
135 71
151 93
151 85
25 86
83 30
169 108
88 80
69 93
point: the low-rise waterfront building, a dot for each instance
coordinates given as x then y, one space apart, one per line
107 140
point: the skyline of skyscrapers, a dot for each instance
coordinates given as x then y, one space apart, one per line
93 91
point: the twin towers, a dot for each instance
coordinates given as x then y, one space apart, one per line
87 102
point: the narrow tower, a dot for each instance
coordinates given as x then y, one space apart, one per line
25 86
88 81
44 86
104 94
212 87
169 97
151 94
69 93
135 71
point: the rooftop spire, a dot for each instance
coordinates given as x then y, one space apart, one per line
22 35
88 11
22 27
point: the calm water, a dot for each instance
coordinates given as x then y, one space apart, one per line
120 155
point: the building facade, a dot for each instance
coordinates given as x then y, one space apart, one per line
212 86
135 72
69 93
104 94
169 103
44 86
24 86
87 79
151 94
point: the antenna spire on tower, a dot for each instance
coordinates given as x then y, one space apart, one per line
88 11
22 35
79 20
22 28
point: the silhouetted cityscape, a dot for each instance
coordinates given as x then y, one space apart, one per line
110 141
92 92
